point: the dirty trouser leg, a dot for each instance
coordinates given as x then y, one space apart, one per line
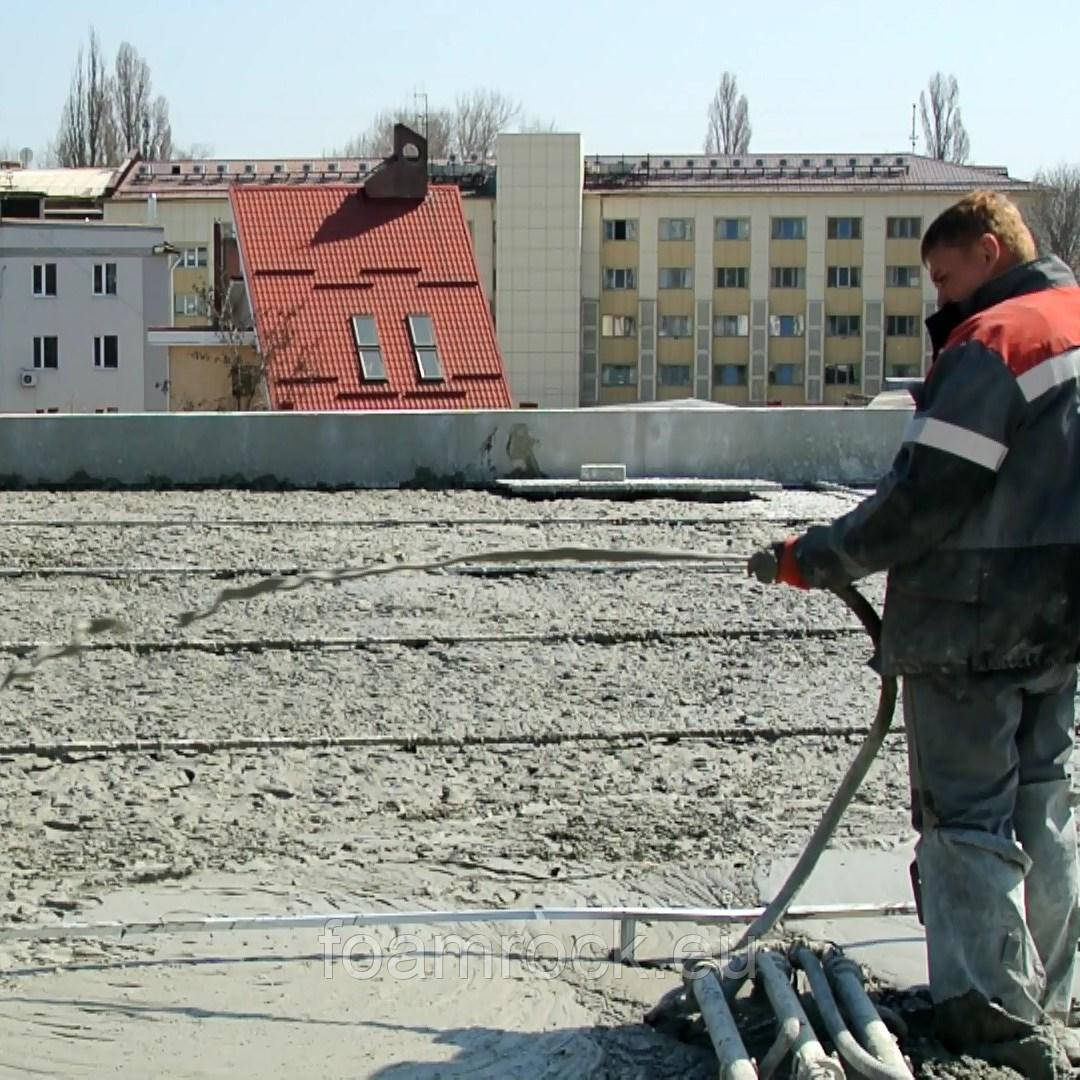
1045 827
965 770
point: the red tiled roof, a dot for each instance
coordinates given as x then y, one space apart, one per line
314 257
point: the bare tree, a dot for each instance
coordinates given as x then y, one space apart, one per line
378 139
87 133
142 121
468 130
1055 214
533 125
728 119
245 364
478 117
943 129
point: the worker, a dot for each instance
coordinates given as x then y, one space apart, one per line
978 526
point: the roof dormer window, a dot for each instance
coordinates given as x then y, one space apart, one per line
422 333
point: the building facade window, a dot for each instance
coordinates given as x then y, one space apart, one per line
729 374
617 375
901 325
47 352
841 375
731 326
903 277
44 279
674 374
844 228
676 326
787 325
104 279
732 228
785 375
620 229
674 228
902 371
789 228
189 304
617 326
789 277
843 325
732 277
107 351
368 350
903 228
676 277
194 257
843 277
620 277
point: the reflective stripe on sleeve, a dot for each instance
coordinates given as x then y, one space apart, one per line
953 439
1050 373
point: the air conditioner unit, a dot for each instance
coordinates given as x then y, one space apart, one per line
28 377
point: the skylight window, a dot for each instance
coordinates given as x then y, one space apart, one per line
422 332
366 337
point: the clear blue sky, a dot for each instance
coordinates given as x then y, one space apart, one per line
285 78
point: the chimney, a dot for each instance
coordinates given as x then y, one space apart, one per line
404 174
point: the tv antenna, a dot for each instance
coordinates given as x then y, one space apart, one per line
26 155
913 141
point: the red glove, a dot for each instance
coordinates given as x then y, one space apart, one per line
788 571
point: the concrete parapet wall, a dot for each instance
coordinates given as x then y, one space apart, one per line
790 446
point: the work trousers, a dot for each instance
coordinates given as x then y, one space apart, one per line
990 757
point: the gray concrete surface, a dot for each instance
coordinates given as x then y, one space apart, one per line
667 735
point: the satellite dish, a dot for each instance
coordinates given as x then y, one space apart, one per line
26 155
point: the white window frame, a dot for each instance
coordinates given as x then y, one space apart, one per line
425 351
663 380
101 279
682 274
611 278
776 323
686 326
618 326
742 228
743 320
675 229
39 352
854 227
911 229
195 258
799 228
833 320
99 352
611 227
40 276
741 274
913 274
911 321
606 380
797 275
718 379
368 349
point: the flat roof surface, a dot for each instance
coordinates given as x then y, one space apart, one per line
660 734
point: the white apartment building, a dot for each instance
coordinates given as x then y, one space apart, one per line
76 300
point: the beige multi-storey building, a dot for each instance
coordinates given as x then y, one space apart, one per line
752 280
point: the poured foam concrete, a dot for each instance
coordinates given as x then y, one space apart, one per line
893 948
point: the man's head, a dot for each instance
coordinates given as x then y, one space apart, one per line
980 237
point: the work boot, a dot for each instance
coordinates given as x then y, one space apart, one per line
972 1025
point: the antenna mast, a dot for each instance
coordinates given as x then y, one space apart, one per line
913 127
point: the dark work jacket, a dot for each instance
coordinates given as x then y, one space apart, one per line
978 521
